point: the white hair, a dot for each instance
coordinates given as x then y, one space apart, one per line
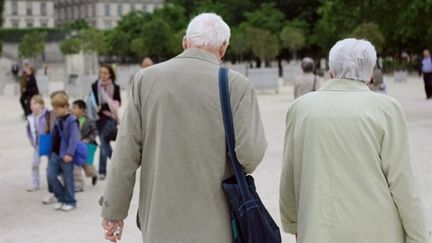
208 30
352 59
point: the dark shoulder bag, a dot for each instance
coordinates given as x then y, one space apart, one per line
250 220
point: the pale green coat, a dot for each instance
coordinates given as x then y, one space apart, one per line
173 129
347 172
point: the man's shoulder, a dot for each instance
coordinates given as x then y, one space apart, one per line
238 80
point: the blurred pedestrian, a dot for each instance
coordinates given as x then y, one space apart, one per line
377 83
37 124
426 71
29 88
65 137
107 98
173 129
88 136
146 62
308 81
347 173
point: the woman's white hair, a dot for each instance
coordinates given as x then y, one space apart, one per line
352 59
208 30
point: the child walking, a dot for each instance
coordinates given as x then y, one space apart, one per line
37 124
88 136
65 136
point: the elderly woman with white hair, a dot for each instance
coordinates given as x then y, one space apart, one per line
347 174
173 129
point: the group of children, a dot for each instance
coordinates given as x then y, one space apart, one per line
66 127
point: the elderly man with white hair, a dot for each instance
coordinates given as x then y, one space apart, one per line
347 174
173 130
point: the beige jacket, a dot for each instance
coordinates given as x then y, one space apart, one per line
347 172
173 129
305 84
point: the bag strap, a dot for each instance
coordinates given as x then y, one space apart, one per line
229 132
314 83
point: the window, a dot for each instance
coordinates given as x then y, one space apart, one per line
132 7
15 23
14 8
77 13
29 23
120 9
107 10
43 9
144 8
94 10
29 9
108 24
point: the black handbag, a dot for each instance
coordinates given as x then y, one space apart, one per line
250 220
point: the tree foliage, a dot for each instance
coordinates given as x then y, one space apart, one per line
371 32
70 46
32 45
263 43
292 38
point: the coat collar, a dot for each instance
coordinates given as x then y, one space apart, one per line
344 85
199 54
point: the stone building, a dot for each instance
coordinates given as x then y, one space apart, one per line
101 14
28 13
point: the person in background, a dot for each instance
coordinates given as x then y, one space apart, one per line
377 83
146 62
29 88
65 137
88 136
308 81
37 123
426 71
108 100
347 173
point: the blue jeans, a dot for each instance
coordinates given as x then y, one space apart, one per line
103 128
64 193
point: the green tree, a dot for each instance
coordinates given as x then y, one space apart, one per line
267 17
371 32
32 45
156 40
77 25
70 46
92 40
1 11
293 39
238 44
263 43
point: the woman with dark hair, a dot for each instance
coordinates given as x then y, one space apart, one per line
29 88
108 100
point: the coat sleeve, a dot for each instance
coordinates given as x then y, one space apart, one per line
288 200
29 133
249 131
125 161
74 138
401 175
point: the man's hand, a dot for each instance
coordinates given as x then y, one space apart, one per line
113 229
67 159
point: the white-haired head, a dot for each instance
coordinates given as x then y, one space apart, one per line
352 59
208 30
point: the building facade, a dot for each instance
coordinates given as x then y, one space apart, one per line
28 13
101 14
